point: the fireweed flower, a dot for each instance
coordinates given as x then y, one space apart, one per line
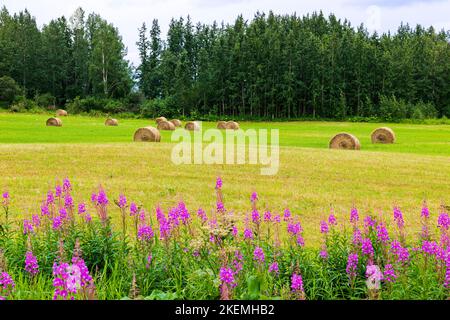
398 218
273 268
31 264
220 206
287 214
102 199
5 197
332 219
366 247
296 283
27 227
248 234
44 210
294 228
369 222
277 218
81 208
382 234
6 285
443 221
234 231
66 185
50 198
57 223
145 233
63 213
183 213
254 197
255 216
149 261
258 255
36 220
323 253
122 201
300 241
267 216
58 191
425 213
226 275
352 265
357 237
68 201
399 252
219 183
354 216
324 227
202 215
87 217
389 273
133 209
447 271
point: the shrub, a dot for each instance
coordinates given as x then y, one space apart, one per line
9 89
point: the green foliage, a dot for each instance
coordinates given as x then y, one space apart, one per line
9 89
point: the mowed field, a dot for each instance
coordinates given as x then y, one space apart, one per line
311 178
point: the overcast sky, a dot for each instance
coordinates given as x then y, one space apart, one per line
128 15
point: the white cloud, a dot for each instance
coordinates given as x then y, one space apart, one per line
129 15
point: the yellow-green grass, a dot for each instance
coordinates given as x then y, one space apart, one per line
418 139
309 181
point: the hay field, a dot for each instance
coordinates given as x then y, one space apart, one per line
310 180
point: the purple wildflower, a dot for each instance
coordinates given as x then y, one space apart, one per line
398 218
389 273
226 275
287 214
36 220
202 215
219 183
354 216
133 209
296 282
324 227
248 234
357 237
234 231
258 255
352 265
255 216
66 185
254 197
382 234
50 198
267 216
300 241
145 233
44 210
27 227
273 268
68 201
57 223
369 222
425 213
81 208
366 247
58 191
31 264
332 219
323 254
443 221
122 201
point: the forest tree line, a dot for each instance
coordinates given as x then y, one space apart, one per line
273 66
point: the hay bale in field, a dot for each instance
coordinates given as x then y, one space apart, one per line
158 120
61 113
166 125
383 135
54 122
232 125
192 126
345 141
111 122
176 122
147 134
221 125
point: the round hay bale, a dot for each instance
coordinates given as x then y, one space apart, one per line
158 120
147 134
61 113
232 125
192 126
111 122
345 141
54 122
166 125
383 135
221 125
176 122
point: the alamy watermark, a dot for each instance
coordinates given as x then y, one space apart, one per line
214 146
